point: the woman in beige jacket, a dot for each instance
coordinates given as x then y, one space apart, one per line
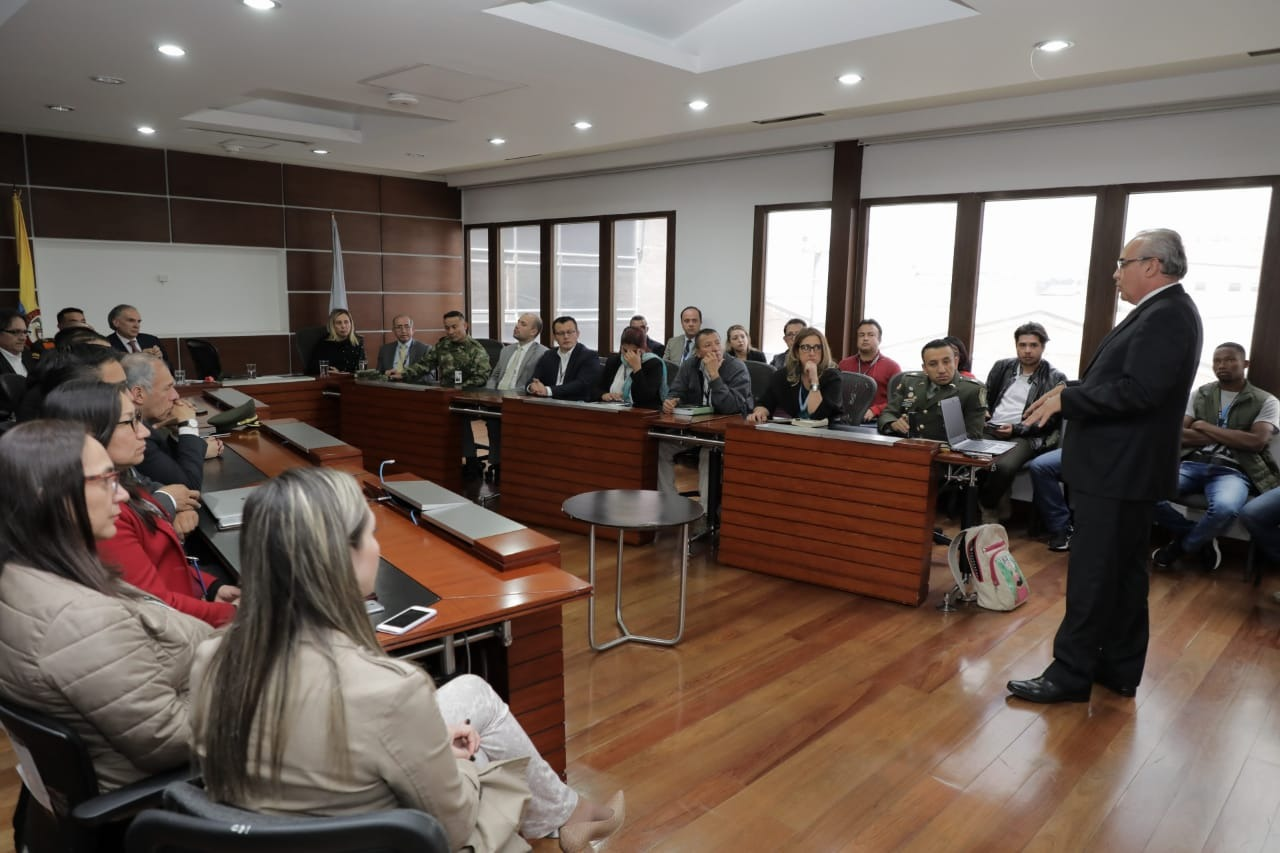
297 710
76 642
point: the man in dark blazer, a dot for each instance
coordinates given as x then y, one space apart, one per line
175 452
14 355
127 334
639 322
568 372
1119 456
404 350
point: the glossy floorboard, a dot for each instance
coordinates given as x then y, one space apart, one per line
798 718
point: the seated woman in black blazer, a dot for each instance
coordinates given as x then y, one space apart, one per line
343 348
740 346
633 375
808 385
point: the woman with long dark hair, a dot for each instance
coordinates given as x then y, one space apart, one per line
76 642
296 708
146 548
633 374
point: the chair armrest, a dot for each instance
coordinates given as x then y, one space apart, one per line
131 799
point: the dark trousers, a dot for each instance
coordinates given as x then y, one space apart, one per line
998 479
1105 630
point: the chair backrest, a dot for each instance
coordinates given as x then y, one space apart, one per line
761 375
672 370
493 348
205 356
12 389
857 390
306 339
53 757
197 825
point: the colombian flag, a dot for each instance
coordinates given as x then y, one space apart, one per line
27 303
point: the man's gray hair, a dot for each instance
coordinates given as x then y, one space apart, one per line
140 370
1165 244
116 312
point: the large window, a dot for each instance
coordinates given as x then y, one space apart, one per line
908 283
795 271
1223 231
576 289
639 276
518 286
478 261
1021 277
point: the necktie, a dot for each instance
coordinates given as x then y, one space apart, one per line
687 344
402 350
508 380
133 346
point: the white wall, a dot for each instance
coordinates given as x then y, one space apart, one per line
715 215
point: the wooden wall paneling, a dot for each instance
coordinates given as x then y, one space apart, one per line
1264 355
312 309
408 236
964 269
411 425
13 161
305 401
271 353
328 189
426 309
8 269
224 178
1100 291
74 163
7 225
223 223
846 195
314 271
98 216
417 274
311 229
410 197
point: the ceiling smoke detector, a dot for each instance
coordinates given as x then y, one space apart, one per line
402 99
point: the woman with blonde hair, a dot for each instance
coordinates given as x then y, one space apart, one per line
297 710
808 386
739 345
342 348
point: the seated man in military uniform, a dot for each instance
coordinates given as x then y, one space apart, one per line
917 395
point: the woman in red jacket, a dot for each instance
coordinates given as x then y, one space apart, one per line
146 549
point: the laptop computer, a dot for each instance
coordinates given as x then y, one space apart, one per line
958 438
227 506
423 495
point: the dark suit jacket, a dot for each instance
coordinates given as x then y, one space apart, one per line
579 377
646 386
145 342
654 346
1125 413
27 360
174 459
387 355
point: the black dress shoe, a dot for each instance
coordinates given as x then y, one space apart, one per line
1128 691
1046 692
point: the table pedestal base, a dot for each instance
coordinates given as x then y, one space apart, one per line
627 636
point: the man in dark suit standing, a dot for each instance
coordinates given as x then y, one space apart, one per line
1119 456
404 350
127 334
568 372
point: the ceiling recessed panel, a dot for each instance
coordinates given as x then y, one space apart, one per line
442 84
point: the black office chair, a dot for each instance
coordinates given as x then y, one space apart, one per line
80 818
857 390
672 370
205 356
493 348
194 824
305 339
761 375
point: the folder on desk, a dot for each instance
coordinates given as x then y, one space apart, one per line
227 506
423 495
691 411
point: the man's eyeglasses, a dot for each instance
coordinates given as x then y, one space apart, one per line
789 336
132 422
810 348
110 480
16 332
1121 263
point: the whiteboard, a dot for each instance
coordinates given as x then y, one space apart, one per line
180 290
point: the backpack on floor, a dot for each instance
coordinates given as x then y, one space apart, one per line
981 564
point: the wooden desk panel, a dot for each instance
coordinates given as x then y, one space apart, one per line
550 454
410 424
844 514
304 400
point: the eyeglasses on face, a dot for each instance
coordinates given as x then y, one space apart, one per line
1121 263
810 348
110 480
131 422
16 332
790 336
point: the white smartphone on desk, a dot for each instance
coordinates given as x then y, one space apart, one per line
407 619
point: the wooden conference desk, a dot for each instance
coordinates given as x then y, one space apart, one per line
472 595
822 508
408 423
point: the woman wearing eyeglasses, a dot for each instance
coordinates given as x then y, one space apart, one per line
807 387
76 642
297 710
146 549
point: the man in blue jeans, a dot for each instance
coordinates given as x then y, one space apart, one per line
1261 517
1051 503
1225 434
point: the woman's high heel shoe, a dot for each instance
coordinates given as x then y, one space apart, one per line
578 837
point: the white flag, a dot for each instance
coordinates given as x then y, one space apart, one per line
338 289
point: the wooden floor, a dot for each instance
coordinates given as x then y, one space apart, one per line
798 718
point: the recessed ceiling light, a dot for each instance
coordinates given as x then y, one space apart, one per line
850 79
107 79
146 130
497 140
582 125
261 5
1053 45
171 50
698 105
319 150
60 108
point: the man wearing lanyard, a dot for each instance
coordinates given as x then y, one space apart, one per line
568 372
873 363
1225 434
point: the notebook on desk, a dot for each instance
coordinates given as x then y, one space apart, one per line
227 506
423 495
958 437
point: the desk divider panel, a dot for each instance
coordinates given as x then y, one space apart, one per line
302 400
843 514
550 454
410 425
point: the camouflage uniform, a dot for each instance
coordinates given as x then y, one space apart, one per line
446 357
909 394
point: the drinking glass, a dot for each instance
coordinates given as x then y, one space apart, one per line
251 370
180 377
324 368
